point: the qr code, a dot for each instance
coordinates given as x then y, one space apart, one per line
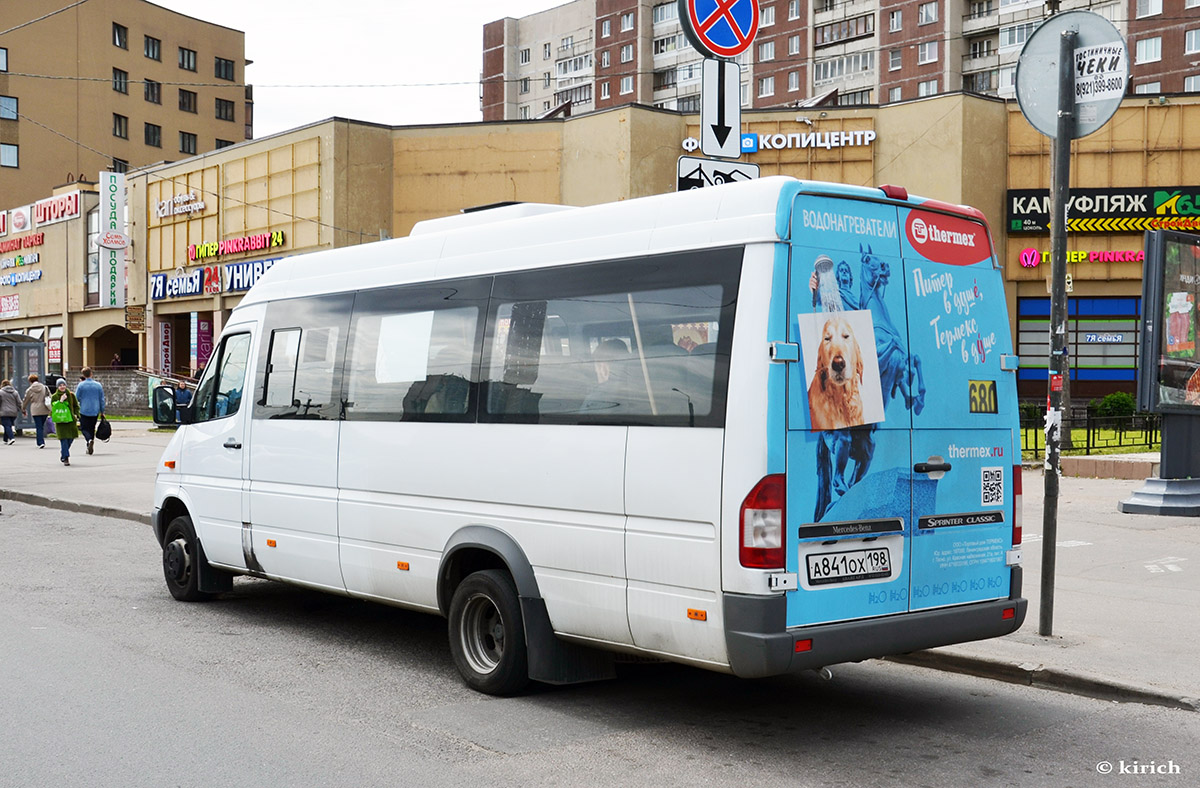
993 486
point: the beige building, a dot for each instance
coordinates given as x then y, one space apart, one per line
112 84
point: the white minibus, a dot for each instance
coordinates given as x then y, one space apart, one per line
757 428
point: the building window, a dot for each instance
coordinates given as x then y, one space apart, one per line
604 59
92 280
626 22
604 91
981 48
153 91
224 109
895 21
1191 41
120 165
927 13
838 67
927 53
1008 77
10 155
223 143
8 108
523 85
120 126
794 45
689 103
766 87
766 16
153 135
666 44
120 80
627 53
187 100
187 142
1149 50
606 28
845 30
187 59
1192 84
893 95
793 9
1014 36
3 59
1148 8
152 48
120 36
1148 87
927 88
666 78
545 51
821 6
223 69
793 81
626 85
665 12
546 80
766 51
566 43
854 98
895 59
523 56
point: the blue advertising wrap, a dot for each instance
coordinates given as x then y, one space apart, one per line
900 428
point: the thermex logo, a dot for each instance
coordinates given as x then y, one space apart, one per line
964 452
947 239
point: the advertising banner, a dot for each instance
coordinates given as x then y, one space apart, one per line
166 360
1124 210
112 219
1169 364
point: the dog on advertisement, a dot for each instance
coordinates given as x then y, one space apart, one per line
834 396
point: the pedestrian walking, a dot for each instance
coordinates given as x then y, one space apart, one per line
64 411
10 408
90 394
36 403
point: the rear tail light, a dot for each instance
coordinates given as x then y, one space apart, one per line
1016 517
763 519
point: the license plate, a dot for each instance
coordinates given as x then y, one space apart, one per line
826 568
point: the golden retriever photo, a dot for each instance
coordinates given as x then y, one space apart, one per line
841 369
834 396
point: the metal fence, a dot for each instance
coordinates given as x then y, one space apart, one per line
1096 434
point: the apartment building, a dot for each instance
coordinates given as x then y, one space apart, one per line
595 54
112 84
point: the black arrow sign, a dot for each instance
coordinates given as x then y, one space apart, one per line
720 130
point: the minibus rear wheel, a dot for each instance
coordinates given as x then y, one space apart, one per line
181 561
487 634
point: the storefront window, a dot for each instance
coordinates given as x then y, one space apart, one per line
1102 344
93 259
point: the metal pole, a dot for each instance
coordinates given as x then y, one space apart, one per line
1060 185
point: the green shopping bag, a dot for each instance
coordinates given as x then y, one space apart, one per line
60 412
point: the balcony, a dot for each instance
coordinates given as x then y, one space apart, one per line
980 61
984 20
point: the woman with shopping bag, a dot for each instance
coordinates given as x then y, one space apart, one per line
64 412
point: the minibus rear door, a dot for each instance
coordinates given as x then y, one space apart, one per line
849 475
964 411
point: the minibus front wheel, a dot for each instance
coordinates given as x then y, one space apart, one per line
487 634
181 561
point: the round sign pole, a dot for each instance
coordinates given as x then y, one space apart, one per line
1093 69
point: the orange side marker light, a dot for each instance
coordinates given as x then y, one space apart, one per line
170 464
697 615
270 543
402 566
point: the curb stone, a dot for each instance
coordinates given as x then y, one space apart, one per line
74 506
1046 678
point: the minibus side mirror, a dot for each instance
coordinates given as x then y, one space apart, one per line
163 405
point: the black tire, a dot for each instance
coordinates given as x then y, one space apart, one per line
181 561
487 634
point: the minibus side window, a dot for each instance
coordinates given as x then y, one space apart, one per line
301 358
641 342
413 353
220 391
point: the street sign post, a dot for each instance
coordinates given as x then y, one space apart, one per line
1091 62
721 109
719 28
696 173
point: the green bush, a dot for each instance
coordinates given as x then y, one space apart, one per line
1116 405
1032 411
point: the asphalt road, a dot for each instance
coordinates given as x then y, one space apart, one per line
107 681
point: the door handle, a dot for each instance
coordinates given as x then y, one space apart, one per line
920 467
232 444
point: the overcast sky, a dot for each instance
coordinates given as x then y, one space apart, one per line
409 43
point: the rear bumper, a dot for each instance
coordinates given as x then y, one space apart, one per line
760 644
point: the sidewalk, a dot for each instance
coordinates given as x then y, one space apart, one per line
1127 587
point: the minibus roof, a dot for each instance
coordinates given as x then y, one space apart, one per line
525 236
